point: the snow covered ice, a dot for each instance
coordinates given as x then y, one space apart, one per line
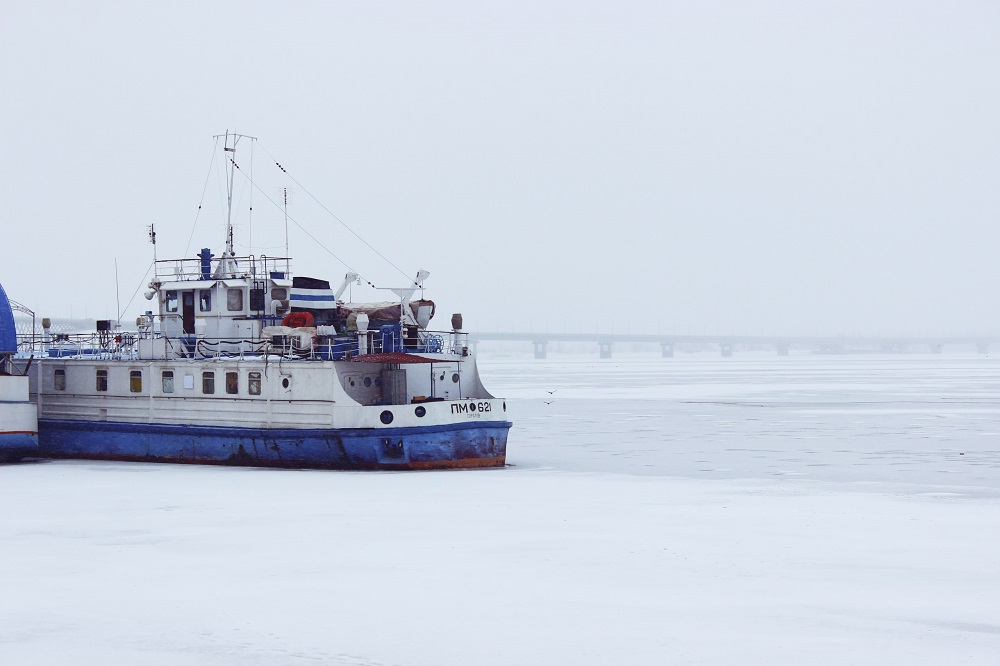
758 509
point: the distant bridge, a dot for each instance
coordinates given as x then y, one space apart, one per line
727 344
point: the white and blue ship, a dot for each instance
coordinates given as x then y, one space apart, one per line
240 362
18 419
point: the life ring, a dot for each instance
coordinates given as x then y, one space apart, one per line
298 320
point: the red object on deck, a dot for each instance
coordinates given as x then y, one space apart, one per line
298 320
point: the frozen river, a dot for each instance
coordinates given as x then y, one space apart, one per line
751 510
927 420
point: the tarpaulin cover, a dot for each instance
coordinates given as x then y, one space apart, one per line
379 313
311 294
302 282
8 333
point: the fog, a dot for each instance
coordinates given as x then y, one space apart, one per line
726 167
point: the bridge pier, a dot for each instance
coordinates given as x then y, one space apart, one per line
727 349
781 348
667 349
605 349
983 348
540 346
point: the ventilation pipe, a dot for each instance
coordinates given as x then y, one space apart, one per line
362 322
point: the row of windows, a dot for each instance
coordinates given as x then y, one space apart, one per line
232 381
234 299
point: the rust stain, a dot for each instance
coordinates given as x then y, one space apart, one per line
465 463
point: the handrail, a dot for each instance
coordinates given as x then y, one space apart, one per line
190 269
24 309
128 345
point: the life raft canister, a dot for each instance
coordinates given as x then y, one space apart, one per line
298 320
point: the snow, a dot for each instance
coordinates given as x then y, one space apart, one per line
690 510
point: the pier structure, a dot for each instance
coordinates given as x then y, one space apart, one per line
730 345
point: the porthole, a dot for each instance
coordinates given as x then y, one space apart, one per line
454 378
368 382
285 382
420 411
378 381
386 417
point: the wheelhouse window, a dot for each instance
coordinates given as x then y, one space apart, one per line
254 384
257 300
279 293
208 383
102 380
234 300
59 379
167 380
171 301
232 383
135 381
205 300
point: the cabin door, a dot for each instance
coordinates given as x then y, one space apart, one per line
187 309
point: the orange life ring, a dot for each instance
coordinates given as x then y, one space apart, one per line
298 320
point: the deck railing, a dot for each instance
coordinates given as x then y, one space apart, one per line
251 266
148 344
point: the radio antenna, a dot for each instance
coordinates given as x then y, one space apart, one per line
118 297
152 239
287 269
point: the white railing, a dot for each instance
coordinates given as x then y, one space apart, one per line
103 345
151 344
257 267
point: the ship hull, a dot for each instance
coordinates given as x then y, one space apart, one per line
452 446
17 445
18 420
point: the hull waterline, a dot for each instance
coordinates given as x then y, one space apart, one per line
453 446
15 445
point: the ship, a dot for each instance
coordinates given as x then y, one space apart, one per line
240 362
18 418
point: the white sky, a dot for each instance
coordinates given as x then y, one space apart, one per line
745 167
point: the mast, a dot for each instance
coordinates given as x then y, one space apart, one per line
230 173
229 150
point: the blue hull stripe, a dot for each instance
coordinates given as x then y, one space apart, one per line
476 444
312 297
13 445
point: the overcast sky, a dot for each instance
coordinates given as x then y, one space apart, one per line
698 167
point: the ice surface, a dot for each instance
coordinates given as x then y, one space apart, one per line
688 510
905 419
